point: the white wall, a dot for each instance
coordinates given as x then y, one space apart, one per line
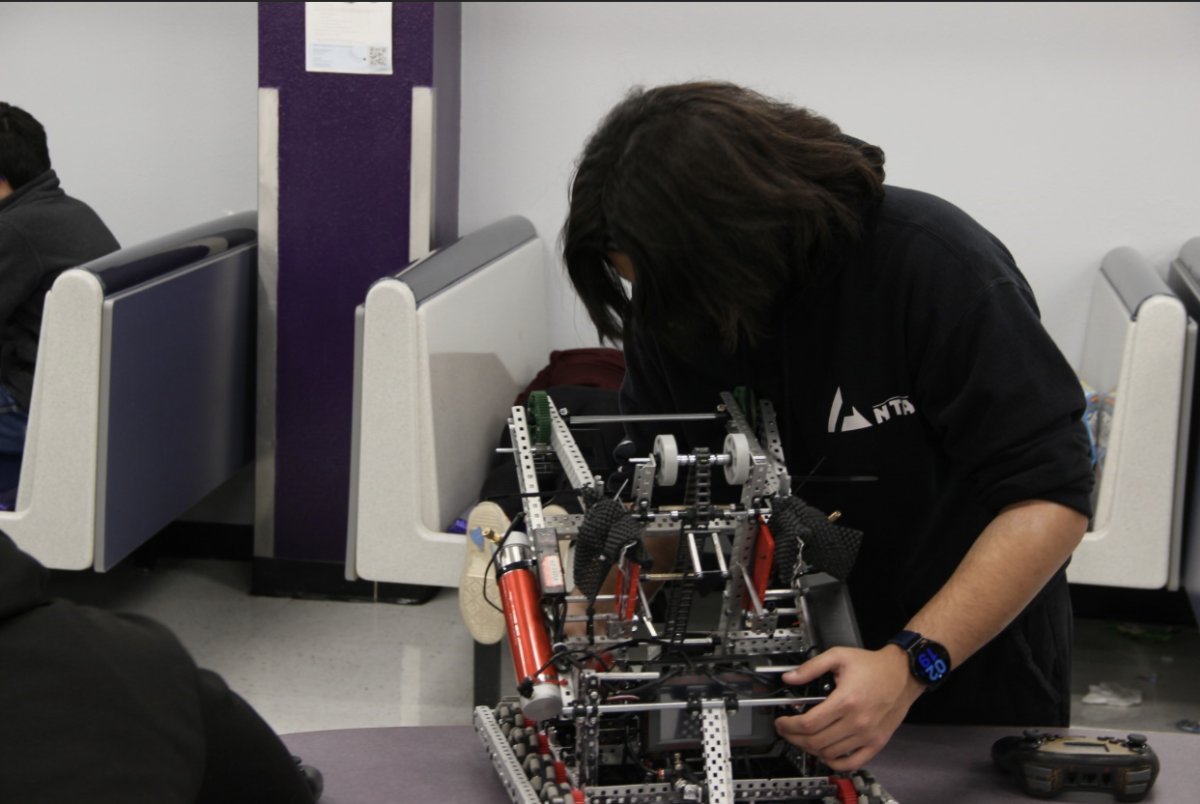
150 109
1066 129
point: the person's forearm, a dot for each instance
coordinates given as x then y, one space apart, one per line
1008 565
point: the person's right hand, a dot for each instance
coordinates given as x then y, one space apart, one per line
874 692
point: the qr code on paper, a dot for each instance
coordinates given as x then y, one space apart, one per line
379 57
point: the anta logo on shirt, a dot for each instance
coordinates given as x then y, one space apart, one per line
843 418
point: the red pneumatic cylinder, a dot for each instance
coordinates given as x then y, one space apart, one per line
521 597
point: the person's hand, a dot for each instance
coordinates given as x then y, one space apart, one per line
874 692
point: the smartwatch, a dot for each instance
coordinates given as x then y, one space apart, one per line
928 661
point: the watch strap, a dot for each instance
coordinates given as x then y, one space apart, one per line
905 639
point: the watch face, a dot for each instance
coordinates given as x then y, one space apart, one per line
931 662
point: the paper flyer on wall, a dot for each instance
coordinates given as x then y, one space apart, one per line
348 38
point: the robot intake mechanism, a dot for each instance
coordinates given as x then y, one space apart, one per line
637 685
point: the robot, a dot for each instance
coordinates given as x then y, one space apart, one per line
664 687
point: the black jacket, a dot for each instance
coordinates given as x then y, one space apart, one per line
109 708
920 361
96 707
43 232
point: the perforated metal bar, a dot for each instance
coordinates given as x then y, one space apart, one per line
573 464
503 759
699 488
718 765
761 480
781 789
739 562
782 640
568 525
518 430
657 793
587 735
783 483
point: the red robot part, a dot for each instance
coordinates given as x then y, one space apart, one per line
521 598
764 558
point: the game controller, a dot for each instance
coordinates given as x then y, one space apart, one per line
1047 764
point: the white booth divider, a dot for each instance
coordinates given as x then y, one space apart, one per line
1140 350
1184 279
142 395
444 346
441 352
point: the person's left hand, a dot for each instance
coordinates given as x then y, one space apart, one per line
874 692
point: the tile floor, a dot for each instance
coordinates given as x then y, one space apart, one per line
305 665
310 665
1162 663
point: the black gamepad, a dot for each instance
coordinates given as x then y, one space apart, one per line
1046 764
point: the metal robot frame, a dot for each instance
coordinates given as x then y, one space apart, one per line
620 706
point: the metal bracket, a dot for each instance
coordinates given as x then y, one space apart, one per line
643 485
781 640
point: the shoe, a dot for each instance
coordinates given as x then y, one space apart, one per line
485 623
312 778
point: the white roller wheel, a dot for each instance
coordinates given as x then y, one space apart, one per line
666 458
737 447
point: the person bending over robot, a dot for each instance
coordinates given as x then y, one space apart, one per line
43 232
901 347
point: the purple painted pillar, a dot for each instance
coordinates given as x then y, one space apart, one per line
344 151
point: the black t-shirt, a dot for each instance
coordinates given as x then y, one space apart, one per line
920 361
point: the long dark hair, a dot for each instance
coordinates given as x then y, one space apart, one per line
721 198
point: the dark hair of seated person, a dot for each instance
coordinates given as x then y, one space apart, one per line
720 198
24 154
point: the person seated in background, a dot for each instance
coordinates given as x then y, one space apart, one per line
43 232
101 707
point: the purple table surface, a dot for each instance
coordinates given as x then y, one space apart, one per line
921 765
